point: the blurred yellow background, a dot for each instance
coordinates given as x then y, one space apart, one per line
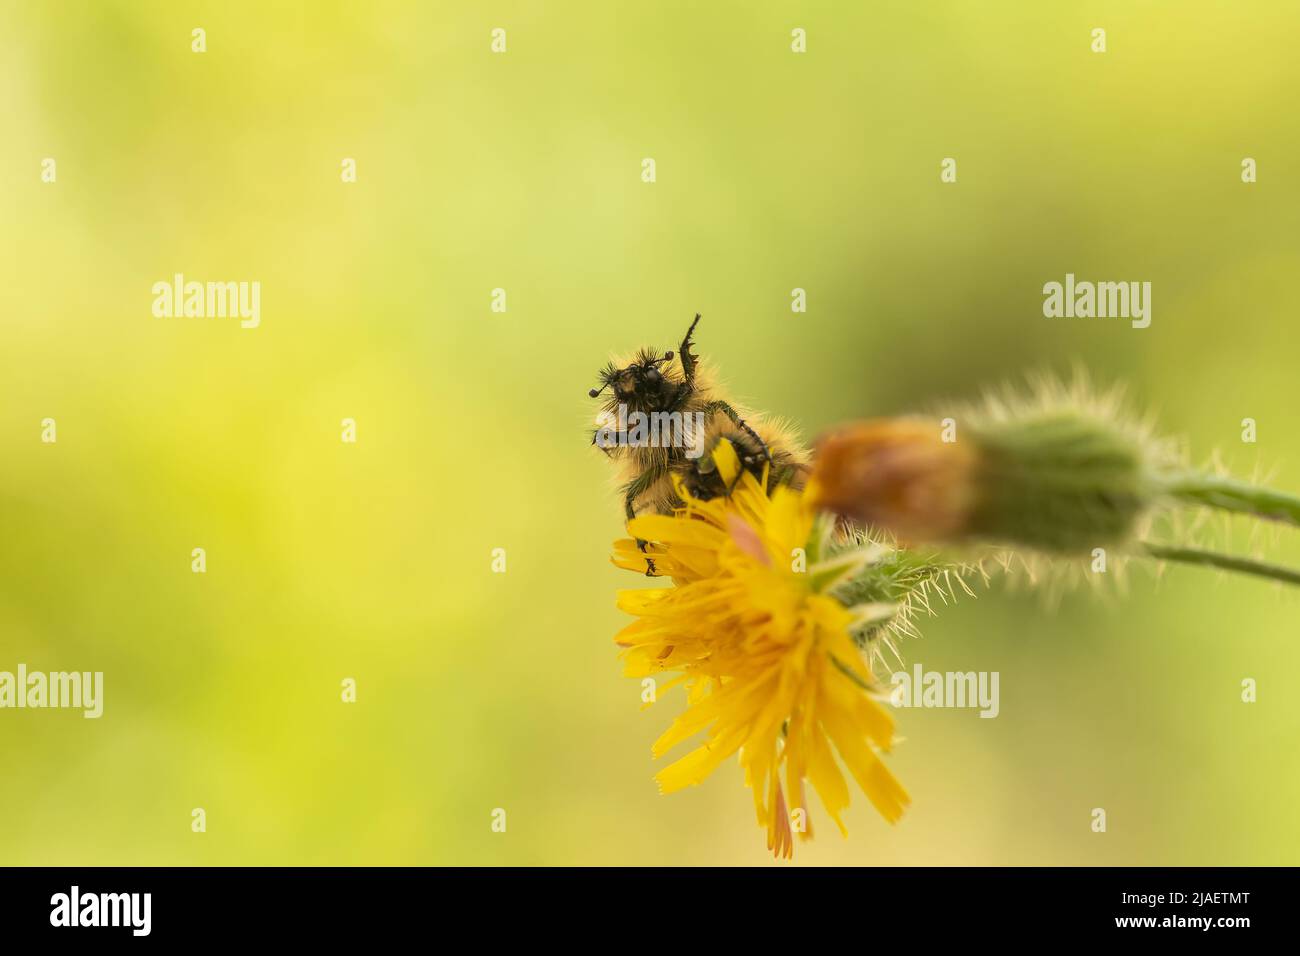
522 171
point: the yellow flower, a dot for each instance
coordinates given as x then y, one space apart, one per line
765 650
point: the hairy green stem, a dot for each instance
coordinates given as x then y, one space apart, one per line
1225 562
1228 494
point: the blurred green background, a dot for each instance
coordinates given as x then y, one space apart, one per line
521 171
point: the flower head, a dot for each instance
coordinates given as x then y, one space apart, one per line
753 627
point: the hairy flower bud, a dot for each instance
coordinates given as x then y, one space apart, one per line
1057 479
